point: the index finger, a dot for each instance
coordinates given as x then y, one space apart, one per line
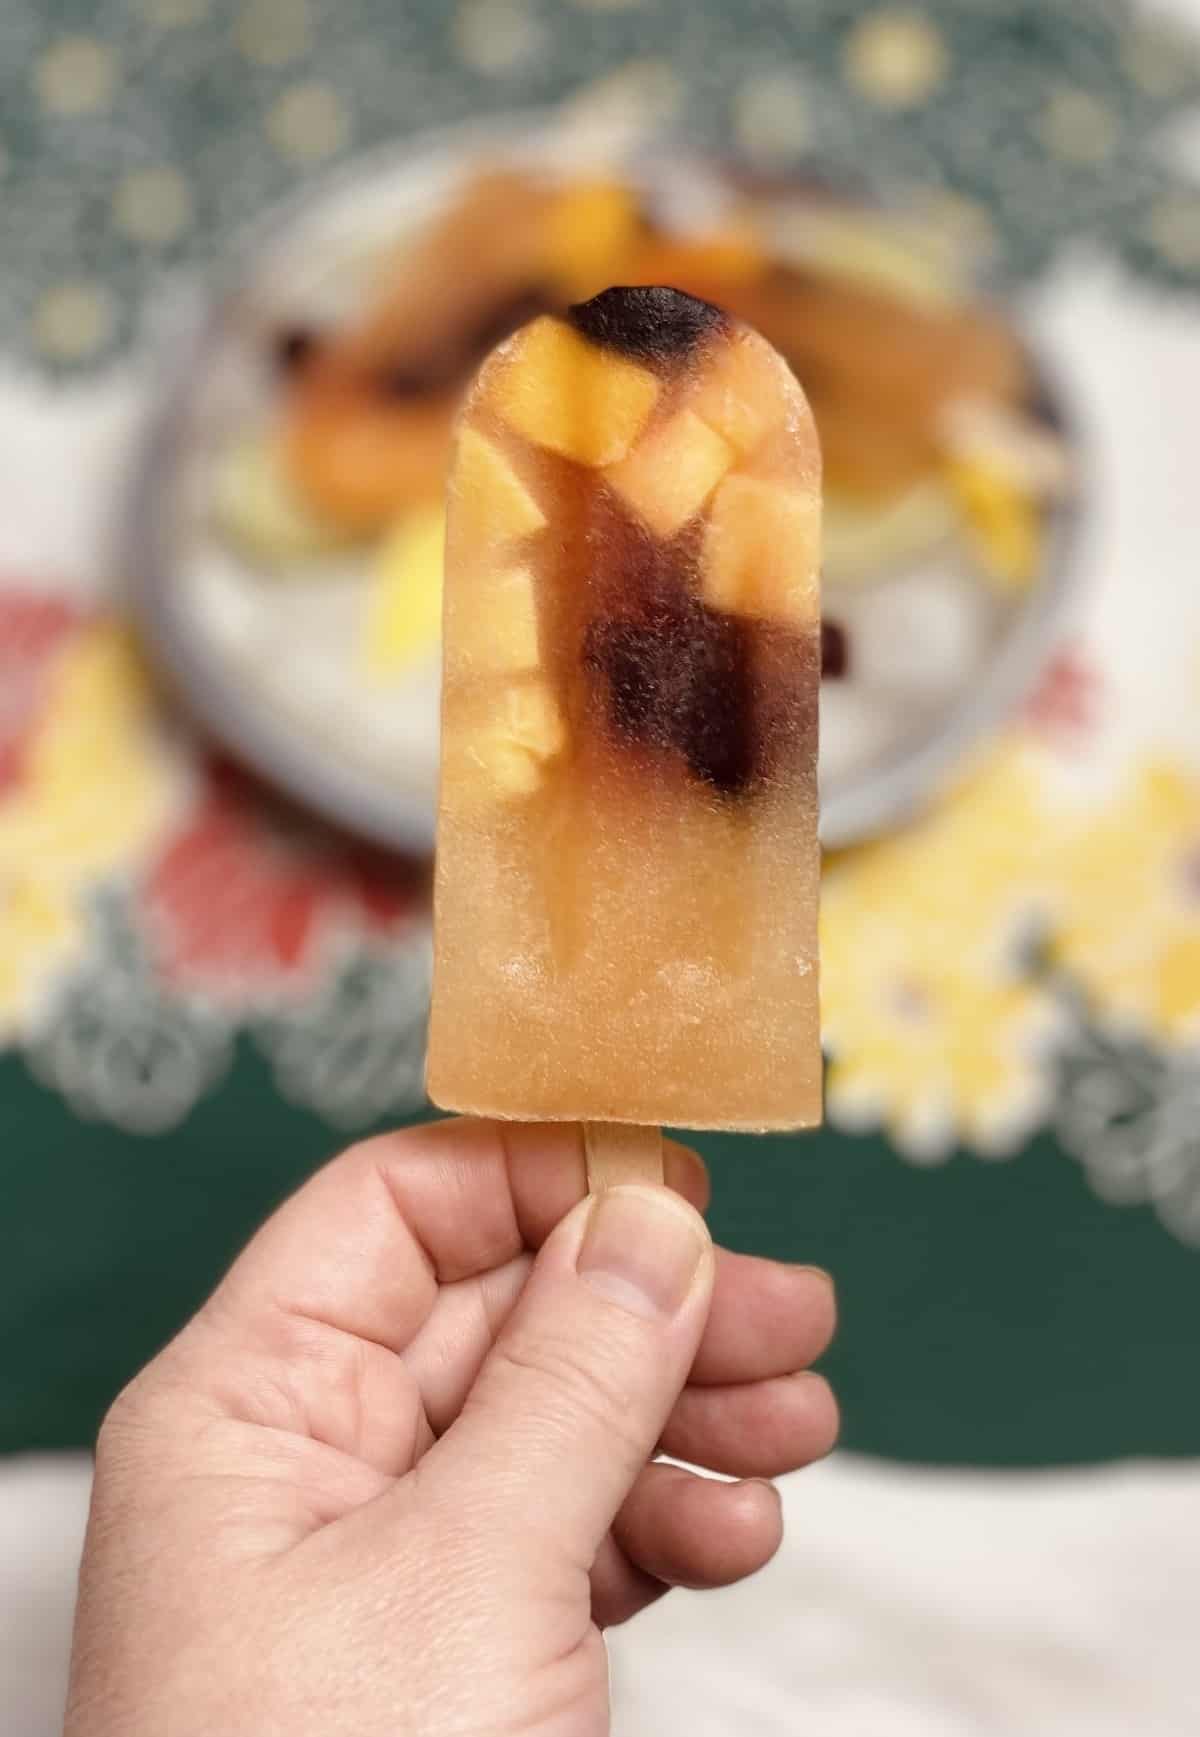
365 1243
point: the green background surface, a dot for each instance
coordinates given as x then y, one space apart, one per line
994 1313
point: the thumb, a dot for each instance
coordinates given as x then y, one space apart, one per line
573 1397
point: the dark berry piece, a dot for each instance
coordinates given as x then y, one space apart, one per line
646 681
719 738
1044 405
415 378
835 651
649 325
681 680
295 348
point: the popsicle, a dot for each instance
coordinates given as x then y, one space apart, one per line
627 866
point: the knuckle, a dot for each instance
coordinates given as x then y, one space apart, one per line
124 1426
569 1381
125 1413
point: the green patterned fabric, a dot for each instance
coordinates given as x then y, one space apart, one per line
136 136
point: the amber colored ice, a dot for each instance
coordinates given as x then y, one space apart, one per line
627 868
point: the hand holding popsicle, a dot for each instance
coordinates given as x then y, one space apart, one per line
627 845
400 1472
394 1476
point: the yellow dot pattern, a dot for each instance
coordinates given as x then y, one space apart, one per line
1173 226
77 76
274 32
175 14
497 36
308 123
72 321
1153 63
896 58
153 206
1077 128
771 116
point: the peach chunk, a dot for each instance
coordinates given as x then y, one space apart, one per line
762 551
562 392
505 752
669 475
489 488
495 627
740 396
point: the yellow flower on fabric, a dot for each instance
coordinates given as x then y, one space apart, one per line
95 783
940 1057
94 790
934 1026
39 926
1128 928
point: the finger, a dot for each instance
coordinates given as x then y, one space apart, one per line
545 1192
577 1389
620 1589
766 1319
447 1354
364 1245
759 1430
349 1270
686 1530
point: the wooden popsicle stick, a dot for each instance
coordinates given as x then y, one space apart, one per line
620 1152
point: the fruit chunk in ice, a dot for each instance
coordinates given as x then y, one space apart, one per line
500 501
565 394
762 549
504 750
671 473
500 631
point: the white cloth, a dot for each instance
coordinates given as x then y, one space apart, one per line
921 1603
904 1603
43 1509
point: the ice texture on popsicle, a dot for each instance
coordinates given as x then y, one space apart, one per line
627 871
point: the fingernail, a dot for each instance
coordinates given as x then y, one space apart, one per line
642 1249
814 1273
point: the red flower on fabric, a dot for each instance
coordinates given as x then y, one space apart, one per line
33 628
245 898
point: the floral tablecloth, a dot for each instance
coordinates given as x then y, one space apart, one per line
201 992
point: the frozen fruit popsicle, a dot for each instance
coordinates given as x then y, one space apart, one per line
627 871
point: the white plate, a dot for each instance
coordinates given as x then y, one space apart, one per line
271 667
